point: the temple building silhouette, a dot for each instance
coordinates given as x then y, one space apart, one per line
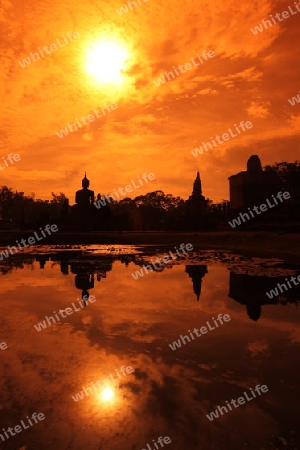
252 186
85 216
196 207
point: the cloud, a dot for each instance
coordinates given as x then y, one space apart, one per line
259 110
250 78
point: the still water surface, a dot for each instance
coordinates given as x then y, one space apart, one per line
131 323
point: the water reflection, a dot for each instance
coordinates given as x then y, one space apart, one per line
248 290
251 291
196 273
132 323
85 273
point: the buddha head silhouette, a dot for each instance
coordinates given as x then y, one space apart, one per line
85 182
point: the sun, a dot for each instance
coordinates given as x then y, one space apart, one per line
105 61
107 394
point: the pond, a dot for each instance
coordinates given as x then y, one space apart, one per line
108 359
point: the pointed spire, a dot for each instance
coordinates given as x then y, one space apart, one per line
197 188
85 181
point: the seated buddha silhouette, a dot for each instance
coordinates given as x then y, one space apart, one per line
85 196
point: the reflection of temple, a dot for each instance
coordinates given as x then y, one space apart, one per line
42 259
85 271
251 291
196 206
85 266
196 273
252 187
84 282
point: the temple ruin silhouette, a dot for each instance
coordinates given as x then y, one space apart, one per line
158 211
252 186
196 206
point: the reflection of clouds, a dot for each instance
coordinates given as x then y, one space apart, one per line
131 323
257 347
207 367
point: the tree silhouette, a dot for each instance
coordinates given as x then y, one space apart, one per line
289 173
6 201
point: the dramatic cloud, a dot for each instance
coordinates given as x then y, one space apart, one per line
154 128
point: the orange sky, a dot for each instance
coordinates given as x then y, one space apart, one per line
154 128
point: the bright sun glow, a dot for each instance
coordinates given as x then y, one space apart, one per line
105 61
107 394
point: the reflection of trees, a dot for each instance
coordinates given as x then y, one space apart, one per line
9 266
77 261
6 269
243 288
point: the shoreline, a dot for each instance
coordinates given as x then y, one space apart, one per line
261 244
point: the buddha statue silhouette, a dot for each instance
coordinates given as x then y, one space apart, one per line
85 196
